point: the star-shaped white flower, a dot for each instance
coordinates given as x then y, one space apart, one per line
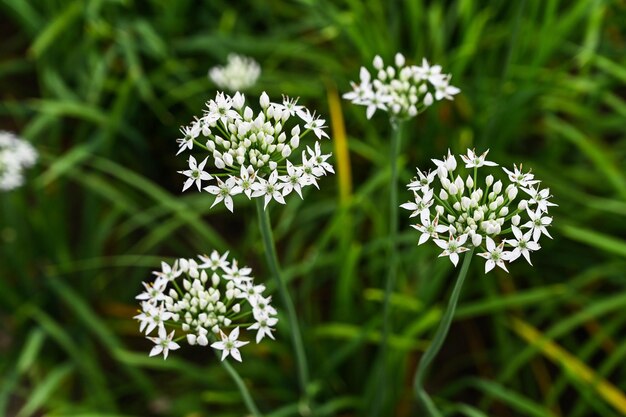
443 89
539 197
229 345
247 177
269 188
316 124
522 244
214 261
223 191
319 159
452 247
195 173
169 273
422 181
523 179
476 161
154 291
163 343
264 327
189 134
495 255
429 228
421 204
294 180
538 223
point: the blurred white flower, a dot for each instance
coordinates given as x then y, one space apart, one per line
252 150
452 200
402 90
239 74
202 300
15 156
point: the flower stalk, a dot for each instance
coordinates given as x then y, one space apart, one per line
435 346
272 261
396 139
247 397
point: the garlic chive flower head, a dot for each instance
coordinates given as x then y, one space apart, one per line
205 301
256 154
15 155
402 90
459 209
239 74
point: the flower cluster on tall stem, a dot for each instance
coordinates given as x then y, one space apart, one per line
208 300
402 90
459 210
240 73
15 156
248 153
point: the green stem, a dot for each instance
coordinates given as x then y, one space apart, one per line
392 272
247 398
272 261
437 342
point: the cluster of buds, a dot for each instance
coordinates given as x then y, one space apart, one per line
204 299
402 90
504 219
239 74
249 152
15 155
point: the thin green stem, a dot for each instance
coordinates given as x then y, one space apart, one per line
296 337
437 342
247 398
392 272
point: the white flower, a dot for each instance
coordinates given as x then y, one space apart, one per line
269 189
240 73
264 327
189 134
154 291
215 261
248 148
320 160
539 197
229 345
522 244
316 124
402 90
163 343
224 192
520 178
429 229
204 299
195 173
474 161
443 89
538 224
167 272
422 181
480 210
495 255
15 156
452 247
294 180
421 204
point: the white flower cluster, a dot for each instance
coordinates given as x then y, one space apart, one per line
504 222
249 152
15 155
204 298
240 73
402 90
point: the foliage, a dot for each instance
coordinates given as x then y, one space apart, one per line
100 89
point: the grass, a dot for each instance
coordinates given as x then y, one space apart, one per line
100 88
